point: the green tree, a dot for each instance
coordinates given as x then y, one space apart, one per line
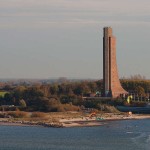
140 91
22 103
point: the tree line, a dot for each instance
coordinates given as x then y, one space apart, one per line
64 96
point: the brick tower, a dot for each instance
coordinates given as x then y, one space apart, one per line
111 83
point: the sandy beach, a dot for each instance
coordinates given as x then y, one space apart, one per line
86 121
70 120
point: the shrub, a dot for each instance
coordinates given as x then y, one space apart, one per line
70 107
2 115
60 108
38 115
18 114
22 103
110 109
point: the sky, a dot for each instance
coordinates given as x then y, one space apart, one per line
63 38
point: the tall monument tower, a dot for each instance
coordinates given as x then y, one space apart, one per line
111 83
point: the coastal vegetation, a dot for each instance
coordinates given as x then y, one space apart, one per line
2 93
65 96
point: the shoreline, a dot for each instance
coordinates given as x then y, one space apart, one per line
76 122
94 122
30 124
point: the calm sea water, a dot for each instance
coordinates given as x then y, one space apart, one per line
117 135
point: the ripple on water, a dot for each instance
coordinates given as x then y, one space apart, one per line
142 140
122 135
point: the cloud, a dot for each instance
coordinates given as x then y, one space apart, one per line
84 6
43 13
126 6
74 23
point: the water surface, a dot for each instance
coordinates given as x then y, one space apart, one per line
117 135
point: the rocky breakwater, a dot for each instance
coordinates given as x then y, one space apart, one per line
44 124
31 123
